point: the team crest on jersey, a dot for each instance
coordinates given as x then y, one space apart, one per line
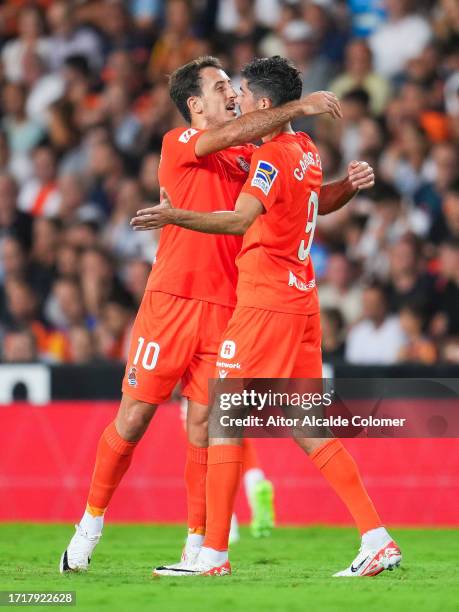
228 349
186 136
264 176
132 377
243 163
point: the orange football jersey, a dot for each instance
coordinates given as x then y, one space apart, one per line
191 264
275 268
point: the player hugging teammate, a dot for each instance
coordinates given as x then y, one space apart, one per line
191 300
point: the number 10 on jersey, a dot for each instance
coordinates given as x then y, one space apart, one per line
150 355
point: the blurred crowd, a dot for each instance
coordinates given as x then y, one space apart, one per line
84 106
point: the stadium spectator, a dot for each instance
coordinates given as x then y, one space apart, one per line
44 89
378 338
19 347
324 18
333 334
401 38
39 195
12 220
359 74
22 133
13 260
67 261
446 296
301 46
409 283
114 329
355 106
98 280
30 38
446 226
136 276
68 39
85 104
64 308
445 170
81 345
338 289
148 177
177 44
416 348
118 235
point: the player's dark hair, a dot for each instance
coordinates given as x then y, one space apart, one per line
275 78
186 82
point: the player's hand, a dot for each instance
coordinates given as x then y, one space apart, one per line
361 175
155 217
321 102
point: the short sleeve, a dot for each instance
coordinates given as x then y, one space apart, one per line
265 176
180 145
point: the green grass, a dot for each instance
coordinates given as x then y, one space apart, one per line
288 572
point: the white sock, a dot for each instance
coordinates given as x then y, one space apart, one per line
251 478
213 557
92 525
376 538
234 530
193 540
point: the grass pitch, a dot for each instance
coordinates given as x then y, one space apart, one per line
290 571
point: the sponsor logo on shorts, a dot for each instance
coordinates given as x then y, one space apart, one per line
132 377
293 281
228 349
264 176
187 135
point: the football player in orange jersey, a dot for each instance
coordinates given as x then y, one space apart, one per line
277 306
190 294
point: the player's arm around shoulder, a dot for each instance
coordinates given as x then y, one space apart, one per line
234 222
253 126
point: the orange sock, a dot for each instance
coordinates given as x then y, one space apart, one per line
223 477
113 457
195 481
341 471
250 457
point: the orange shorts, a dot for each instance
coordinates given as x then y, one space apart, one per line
264 344
173 339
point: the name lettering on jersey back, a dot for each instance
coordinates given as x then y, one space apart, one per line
187 135
308 159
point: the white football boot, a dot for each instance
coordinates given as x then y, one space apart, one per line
198 568
77 556
188 560
371 561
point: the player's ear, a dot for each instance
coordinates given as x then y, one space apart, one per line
264 103
195 105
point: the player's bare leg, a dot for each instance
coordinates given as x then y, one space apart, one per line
114 455
377 551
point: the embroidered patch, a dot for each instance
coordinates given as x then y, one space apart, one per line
264 176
